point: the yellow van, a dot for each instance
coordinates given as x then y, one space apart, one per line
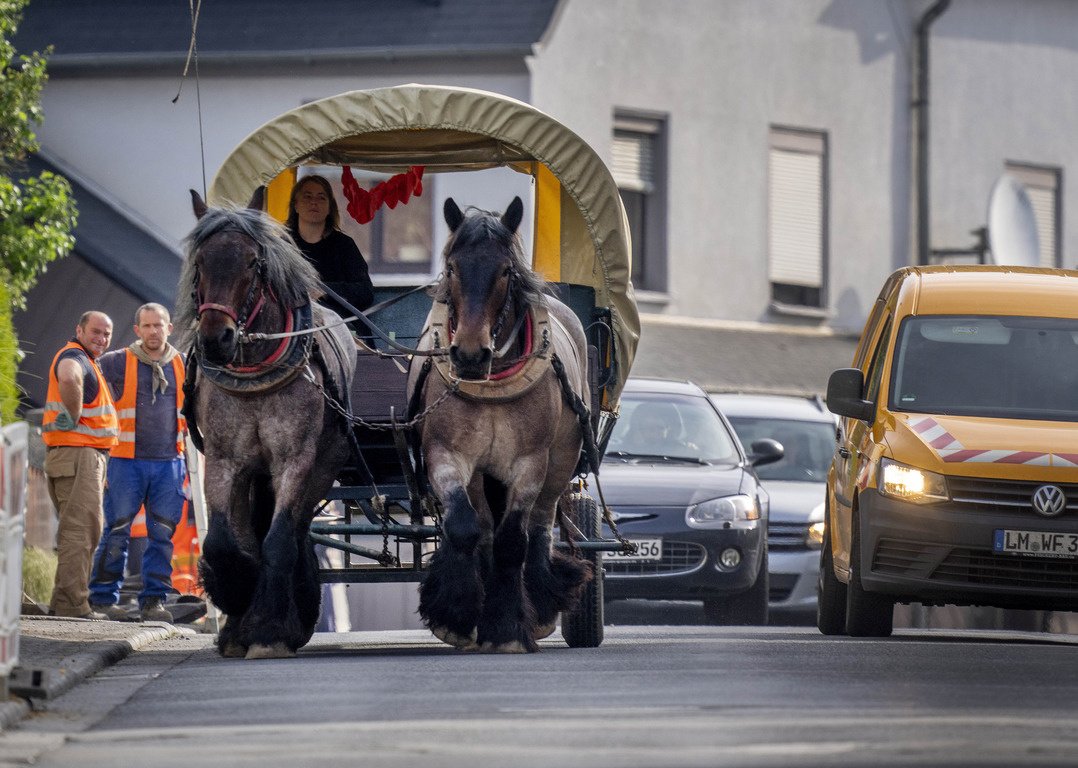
955 478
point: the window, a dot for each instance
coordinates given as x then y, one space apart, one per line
638 171
396 241
797 217
1042 186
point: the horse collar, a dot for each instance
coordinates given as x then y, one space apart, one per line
283 365
510 383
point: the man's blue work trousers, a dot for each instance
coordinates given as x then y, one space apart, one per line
133 483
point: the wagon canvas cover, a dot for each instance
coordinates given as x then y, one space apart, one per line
581 232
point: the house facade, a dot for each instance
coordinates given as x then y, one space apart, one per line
769 151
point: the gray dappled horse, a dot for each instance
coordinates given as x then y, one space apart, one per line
273 447
501 450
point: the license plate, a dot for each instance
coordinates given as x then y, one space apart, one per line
647 550
1036 543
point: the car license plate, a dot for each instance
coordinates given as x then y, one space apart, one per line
1036 543
647 550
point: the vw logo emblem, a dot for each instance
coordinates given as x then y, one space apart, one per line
1048 500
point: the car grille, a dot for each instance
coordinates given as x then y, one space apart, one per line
1002 495
786 536
979 567
677 557
972 566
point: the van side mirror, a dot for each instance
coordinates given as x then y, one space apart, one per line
845 395
765 451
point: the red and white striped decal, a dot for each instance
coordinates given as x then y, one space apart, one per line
933 433
953 452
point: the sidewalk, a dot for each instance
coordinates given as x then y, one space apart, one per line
55 654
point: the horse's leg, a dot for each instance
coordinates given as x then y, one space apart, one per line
274 626
228 570
508 621
452 593
554 579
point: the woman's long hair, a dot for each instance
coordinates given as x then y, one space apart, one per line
333 221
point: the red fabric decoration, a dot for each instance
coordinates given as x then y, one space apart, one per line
363 204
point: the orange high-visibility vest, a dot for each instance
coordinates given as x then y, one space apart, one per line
97 426
185 554
125 407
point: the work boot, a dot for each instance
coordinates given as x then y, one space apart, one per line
152 610
111 612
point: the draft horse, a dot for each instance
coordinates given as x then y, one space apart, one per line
502 446
272 446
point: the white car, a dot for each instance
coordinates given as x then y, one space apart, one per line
796 485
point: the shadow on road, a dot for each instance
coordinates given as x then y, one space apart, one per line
675 612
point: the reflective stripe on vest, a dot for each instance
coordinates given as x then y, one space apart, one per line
126 407
97 426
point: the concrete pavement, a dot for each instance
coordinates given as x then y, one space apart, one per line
55 654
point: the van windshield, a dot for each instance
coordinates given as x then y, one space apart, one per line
1001 367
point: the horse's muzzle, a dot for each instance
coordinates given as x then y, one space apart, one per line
471 365
218 346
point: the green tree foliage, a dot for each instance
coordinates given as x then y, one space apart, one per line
37 214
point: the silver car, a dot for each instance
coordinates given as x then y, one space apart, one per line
796 485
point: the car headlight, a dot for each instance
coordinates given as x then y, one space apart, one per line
910 484
715 512
814 534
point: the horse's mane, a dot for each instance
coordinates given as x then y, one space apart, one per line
527 286
292 278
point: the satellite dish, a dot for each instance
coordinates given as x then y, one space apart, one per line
1012 228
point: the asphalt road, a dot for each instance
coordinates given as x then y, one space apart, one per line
676 695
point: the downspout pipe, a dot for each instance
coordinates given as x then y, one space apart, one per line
920 103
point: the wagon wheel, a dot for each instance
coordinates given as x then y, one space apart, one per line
583 626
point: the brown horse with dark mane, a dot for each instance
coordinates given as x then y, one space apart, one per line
272 446
499 439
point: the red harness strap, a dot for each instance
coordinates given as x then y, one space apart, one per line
277 353
519 364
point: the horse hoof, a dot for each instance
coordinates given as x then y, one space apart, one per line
514 646
449 637
275 651
233 650
546 630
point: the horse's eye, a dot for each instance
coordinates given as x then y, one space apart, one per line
506 272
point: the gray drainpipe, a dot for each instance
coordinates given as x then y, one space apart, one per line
920 103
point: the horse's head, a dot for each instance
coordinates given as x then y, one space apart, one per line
483 271
239 262
227 282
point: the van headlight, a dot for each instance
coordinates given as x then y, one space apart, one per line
814 534
708 514
911 484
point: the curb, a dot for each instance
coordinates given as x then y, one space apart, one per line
80 666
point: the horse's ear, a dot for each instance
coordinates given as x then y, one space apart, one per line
198 204
258 199
513 215
453 216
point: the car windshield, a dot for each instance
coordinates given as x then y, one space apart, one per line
808 446
1002 367
671 427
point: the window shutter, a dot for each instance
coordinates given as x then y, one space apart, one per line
795 234
1042 185
1044 213
633 161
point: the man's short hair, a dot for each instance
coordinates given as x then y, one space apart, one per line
84 318
152 307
